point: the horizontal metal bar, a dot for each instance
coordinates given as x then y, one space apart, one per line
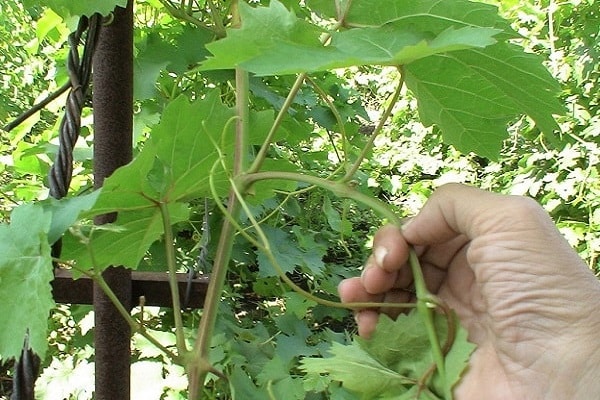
154 286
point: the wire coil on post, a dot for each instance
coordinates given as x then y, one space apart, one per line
80 71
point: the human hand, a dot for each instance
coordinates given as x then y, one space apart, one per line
527 300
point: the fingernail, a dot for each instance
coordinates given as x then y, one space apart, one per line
362 273
380 253
357 318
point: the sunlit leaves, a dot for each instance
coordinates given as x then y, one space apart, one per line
25 275
473 94
273 41
177 161
433 16
68 8
465 82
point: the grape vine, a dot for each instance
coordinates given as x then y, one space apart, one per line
455 57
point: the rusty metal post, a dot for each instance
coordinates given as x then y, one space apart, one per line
113 127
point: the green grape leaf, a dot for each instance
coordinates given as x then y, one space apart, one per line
298 304
71 10
122 243
401 347
177 54
433 16
242 387
185 143
473 94
357 371
175 164
285 252
274 370
66 211
289 254
25 276
465 82
275 41
152 57
288 388
458 356
128 188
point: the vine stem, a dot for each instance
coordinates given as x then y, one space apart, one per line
369 145
183 15
426 302
340 189
199 366
426 307
217 19
266 248
262 153
172 266
135 326
96 276
242 120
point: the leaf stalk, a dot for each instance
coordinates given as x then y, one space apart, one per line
173 285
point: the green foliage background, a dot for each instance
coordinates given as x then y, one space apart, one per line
266 328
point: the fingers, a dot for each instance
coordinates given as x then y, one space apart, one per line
376 279
366 320
352 291
390 249
383 270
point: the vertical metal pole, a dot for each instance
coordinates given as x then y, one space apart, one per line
113 127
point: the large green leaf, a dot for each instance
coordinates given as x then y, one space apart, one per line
25 275
465 82
128 188
185 143
400 349
273 41
122 243
175 164
357 371
473 94
70 10
433 16
66 211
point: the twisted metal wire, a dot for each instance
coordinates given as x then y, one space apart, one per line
80 70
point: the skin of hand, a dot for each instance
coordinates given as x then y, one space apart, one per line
527 300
